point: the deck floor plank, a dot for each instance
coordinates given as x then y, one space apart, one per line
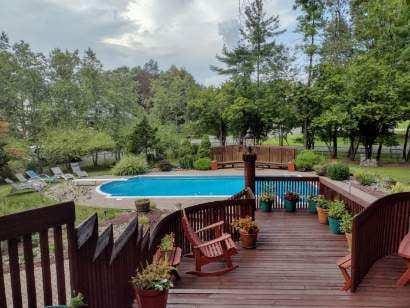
294 265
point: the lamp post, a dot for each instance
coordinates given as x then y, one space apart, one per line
249 159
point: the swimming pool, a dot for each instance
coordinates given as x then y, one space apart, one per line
190 187
173 187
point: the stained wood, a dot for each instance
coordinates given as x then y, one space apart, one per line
14 273
2 290
45 267
29 268
59 260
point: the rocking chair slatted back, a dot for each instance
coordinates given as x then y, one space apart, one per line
191 235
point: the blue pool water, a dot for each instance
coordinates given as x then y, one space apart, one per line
194 186
174 186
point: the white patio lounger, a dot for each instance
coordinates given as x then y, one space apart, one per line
20 186
77 170
59 174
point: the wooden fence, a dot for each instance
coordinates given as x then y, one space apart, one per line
98 267
377 232
267 156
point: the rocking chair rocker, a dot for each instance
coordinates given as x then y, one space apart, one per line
222 248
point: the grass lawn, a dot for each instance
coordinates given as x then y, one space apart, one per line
400 174
99 171
17 202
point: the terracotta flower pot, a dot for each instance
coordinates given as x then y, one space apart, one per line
349 240
142 205
291 166
322 215
151 298
248 240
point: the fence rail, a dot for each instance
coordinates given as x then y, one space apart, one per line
267 156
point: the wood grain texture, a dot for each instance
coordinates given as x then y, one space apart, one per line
294 265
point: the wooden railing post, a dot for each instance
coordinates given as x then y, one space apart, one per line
249 159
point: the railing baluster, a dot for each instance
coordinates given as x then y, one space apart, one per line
59 259
15 273
3 302
29 267
45 267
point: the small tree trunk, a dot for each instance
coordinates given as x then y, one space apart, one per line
379 151
281 137
406 140
334 142
306 135
355 150
95 159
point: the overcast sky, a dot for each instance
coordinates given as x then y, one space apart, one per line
187 33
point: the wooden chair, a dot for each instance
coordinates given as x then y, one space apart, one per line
344 265
221 248
404 252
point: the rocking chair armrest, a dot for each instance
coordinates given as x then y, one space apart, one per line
217 240
213 226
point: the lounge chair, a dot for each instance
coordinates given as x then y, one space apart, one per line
42 177
19 186
20 177
77 170
59 174
36 184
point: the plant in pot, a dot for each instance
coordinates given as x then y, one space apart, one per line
142 205
266 202
322 208
291 199
167 244
312 204
248 231
151 285
336 211
346 227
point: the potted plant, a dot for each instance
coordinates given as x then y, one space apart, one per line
151 285
248 230
336 212
346 227
312 204
322 207
142 205
266 202
167 244
75 302
291 199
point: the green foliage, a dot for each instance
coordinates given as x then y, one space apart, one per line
338 171
399 187
202 164
322 202
164 165
130 165
143 138
167 242
77 301
337 209
153 277
186 161
320 169
305 160
346 223
365 178
204 149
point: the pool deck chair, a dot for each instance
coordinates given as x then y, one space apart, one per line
221 248
77 170
20 177
20 186
35 184
59 174
42 177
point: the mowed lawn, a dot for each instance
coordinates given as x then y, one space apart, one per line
16 202
399 173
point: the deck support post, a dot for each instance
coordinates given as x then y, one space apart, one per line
249 159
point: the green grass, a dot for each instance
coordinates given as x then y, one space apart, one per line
17 202
400 174
99 171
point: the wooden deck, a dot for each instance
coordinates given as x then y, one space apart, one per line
293 265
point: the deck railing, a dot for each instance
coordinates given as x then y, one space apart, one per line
377 232
267 156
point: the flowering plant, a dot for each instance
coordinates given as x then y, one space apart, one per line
291 196
167 242
155 276
267 197
245 224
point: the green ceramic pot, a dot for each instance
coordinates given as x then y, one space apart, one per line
290 206
265 206
334 225
312 207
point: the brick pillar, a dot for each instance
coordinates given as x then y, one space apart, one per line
249 160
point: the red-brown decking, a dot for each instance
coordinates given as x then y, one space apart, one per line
293 265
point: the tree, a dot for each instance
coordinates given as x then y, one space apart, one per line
143 138
97 142
144 78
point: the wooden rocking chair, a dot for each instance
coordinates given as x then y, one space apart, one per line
222 248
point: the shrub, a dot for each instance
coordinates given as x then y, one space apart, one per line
321 202
186 162
365 178
167 242
165 165
346 223
337 209
399 187
320 169
202 164
338 172
17 165
306 159
130 165
204 149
